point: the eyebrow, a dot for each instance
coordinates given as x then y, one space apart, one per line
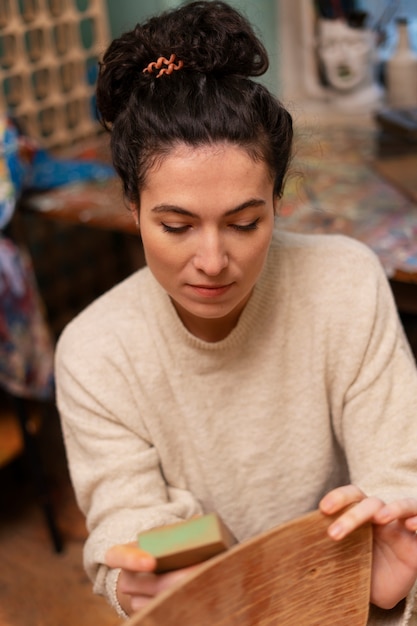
172 208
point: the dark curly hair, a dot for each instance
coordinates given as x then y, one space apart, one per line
212 99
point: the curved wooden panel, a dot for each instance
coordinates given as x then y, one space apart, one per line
291 575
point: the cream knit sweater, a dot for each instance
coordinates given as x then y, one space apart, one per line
315 387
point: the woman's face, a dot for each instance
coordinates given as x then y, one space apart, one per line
206 221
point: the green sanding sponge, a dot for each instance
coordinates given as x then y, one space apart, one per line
186 543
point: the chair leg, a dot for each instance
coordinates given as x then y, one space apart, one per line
38 475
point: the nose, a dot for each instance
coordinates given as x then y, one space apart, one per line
211 256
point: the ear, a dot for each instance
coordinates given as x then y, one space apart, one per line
276 203
135 213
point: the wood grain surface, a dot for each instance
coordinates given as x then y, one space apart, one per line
292 575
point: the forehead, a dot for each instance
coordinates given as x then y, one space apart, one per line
213 179
182 159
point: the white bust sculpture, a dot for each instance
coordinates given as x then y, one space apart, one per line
347 56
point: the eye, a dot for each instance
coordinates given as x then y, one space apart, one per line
245 227
174 229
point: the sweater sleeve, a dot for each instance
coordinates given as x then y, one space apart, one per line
115 472
378 411
378 407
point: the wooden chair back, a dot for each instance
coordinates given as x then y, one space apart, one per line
291 575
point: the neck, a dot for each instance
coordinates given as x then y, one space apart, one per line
210 330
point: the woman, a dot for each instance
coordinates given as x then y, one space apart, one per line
245 371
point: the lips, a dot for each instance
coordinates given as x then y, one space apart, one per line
210 291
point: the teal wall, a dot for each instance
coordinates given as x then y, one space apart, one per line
124 14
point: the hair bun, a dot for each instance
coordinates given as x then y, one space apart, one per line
211 37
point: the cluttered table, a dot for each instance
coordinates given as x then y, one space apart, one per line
337 184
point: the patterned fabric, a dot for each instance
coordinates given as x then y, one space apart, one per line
10 178
26 347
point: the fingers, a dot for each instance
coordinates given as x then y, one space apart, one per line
137 583
130 557
404 509
172 578
141 587
137 603
340 498
363 509
363 512
411 524
148 583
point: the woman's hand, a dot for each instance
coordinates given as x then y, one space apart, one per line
394 563
138 583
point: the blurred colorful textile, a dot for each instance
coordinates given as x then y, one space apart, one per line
26 345
11 170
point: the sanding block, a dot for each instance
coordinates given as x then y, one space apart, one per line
186 543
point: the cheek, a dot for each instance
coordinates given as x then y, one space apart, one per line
254 254
161 254
156 254
152 247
